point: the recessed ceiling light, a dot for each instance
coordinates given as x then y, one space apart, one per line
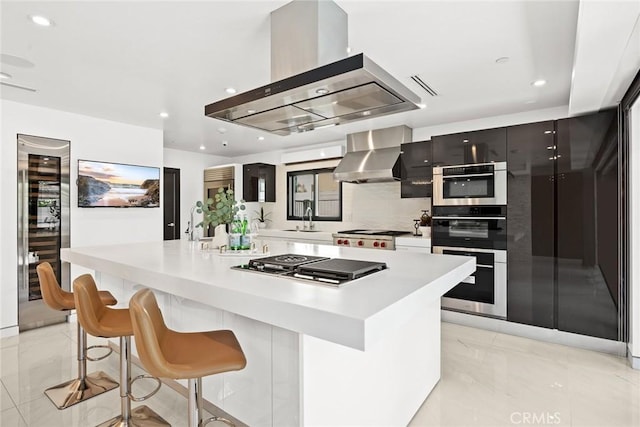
164 114
202 147
502 60
366 113
422 105
261 138
41 20
230 90
322 91
222 130
251 111
539 83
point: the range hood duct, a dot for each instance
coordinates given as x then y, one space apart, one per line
314 84
373 156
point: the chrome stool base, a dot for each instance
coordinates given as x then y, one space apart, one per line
142 416
219 419
78 390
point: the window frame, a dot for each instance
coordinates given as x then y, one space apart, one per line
314 216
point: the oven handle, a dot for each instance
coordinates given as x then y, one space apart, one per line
466 175
469 217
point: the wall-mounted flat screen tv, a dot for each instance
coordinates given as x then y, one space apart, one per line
117 185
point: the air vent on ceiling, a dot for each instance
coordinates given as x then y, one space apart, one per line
423 85
18 87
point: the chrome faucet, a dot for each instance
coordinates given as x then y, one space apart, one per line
309 212
190 226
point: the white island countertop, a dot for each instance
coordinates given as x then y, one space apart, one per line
356 314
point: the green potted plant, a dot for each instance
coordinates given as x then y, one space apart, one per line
262 217
219 210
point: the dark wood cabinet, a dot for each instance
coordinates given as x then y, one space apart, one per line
416 169
530 224
259 182
482 146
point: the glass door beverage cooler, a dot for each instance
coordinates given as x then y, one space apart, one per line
43 224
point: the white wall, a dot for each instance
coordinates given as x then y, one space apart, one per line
634 230
191 167
91 139
424 133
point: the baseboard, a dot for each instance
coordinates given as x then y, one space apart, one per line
182 390
537 333
634 361
9 331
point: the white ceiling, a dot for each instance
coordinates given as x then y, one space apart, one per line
128 61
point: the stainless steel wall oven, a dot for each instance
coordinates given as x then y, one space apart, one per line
478 184
479 231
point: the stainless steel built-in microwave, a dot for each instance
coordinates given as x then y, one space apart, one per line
477 184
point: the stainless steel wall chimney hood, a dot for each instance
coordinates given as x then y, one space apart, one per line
373 156
343 91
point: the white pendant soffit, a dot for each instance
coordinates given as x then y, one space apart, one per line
607 54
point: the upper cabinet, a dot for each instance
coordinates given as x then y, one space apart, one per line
482 146
259 182
416 170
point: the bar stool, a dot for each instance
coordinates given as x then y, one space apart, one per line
102 321
85 386
169 354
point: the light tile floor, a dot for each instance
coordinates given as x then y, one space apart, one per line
488 379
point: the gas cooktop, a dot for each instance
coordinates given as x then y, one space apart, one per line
328 271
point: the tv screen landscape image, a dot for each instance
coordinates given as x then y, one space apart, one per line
102 184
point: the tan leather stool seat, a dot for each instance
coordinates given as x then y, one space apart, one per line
85 386
102 321
96 318
198 354
182 355
56 297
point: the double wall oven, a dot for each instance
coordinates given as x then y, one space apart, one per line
469 218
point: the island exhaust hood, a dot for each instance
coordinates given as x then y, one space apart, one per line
373 156
305 34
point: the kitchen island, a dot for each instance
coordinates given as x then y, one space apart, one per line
366 353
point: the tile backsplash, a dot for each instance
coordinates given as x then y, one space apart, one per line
375 205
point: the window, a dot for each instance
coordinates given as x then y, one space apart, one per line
315 190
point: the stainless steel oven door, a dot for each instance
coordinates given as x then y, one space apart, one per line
485 291
480 232
484 184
